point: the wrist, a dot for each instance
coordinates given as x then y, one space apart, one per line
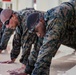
13 60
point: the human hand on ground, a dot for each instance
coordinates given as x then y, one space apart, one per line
15 73
18 71
8 61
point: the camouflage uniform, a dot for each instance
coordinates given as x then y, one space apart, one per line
1 26
60 29
33 55
6 34
23 37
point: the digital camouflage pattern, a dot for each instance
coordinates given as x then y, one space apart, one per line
33 55
0 26
60 29
5 36
23 38
0 30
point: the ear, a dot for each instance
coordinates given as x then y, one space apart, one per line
14 16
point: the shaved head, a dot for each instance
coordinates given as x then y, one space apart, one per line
5 15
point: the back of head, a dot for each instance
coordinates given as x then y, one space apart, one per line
33 19
5 15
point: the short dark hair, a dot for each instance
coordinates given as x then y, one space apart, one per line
33 19
1 10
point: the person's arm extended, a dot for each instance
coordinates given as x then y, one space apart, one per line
26 48
15 49
5 38
16 45
33 55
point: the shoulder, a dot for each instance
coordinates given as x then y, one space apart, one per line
62 10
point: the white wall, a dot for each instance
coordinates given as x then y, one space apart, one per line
44 5
24 3
15 4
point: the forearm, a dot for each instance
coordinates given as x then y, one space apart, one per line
26 47
5 38
16 46
33 55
